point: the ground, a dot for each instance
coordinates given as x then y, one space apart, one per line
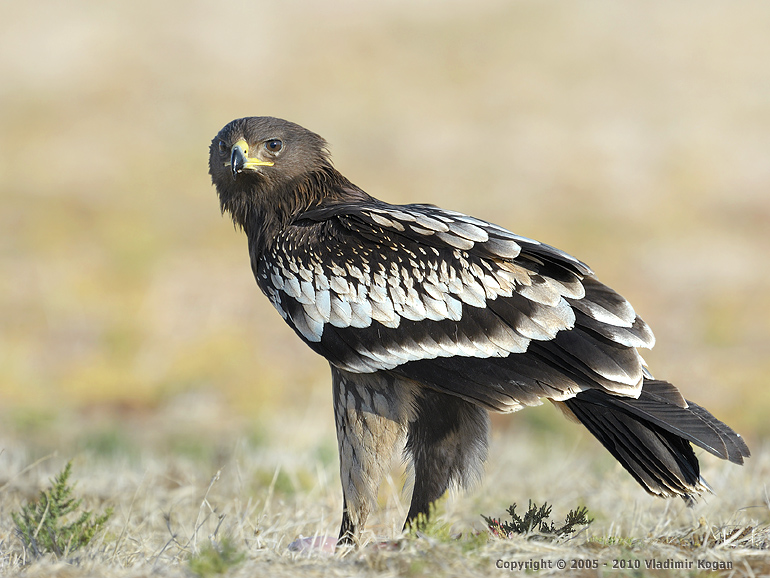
182 485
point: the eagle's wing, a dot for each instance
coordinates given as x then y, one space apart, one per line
456 303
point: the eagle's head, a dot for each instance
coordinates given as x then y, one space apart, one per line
260 163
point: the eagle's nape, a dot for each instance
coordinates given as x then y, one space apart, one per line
430 318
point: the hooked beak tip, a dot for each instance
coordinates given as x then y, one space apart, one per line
237 160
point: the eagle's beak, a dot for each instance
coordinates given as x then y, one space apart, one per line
238 157
240 160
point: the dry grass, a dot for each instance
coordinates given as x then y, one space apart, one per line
259 492
632 135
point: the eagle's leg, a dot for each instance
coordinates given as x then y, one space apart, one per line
371 413
448 444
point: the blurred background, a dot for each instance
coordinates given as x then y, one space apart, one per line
635 136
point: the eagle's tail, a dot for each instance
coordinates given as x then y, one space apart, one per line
650 436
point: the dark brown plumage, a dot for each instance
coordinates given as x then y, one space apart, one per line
430 318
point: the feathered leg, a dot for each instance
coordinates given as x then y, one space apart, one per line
448 444
371 412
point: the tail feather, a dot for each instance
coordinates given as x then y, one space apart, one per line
735 447
650 436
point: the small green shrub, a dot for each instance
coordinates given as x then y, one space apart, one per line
535 521
42 525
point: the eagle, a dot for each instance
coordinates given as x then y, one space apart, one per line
430 319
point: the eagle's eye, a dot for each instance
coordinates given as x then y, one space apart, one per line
273 145
222 146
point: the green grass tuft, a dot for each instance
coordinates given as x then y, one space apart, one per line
216 558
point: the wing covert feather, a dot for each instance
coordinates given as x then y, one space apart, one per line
461 305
